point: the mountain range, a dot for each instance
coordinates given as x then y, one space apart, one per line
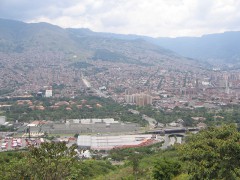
216 48
18 37
211 48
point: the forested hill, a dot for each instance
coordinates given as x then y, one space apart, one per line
16 36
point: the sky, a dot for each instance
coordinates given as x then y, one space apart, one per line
156 18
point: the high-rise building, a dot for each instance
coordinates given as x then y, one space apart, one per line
149 99
130 98
143 99
140 99
227 90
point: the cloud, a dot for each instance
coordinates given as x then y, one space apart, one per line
153 18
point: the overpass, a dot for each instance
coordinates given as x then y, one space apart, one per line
176 130
173 135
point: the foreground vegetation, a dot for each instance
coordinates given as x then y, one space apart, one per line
211 154
50 161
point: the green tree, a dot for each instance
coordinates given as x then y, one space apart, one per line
76 135
166 169
51 160
134 161
14 165
213 153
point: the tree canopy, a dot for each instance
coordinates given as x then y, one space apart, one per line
166 169
213 153
50 161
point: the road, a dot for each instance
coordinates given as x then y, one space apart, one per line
166 142
152 122
86 82
169 141
88 85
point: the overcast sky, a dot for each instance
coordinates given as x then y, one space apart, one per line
158 18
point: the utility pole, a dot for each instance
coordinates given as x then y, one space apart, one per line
28 130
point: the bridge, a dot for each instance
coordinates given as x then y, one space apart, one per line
176 130
173 135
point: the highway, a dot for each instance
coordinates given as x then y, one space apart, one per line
86 82
152 122
170 141
88 85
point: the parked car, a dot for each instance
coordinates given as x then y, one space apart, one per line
4 145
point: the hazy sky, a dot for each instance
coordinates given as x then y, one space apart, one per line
156 18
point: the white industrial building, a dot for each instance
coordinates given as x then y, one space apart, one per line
48 93
2 120
92 121
110 142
